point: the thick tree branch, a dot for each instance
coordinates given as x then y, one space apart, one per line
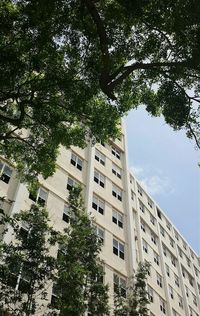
103 40
127 70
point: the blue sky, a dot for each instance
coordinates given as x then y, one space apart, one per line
166 162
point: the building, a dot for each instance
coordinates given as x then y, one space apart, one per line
132 226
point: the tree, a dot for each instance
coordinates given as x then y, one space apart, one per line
26 265
29 266
71 69
79 283
136 302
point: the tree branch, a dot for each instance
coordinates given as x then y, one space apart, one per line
127 70
194 135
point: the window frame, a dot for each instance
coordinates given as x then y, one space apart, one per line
116 218
117 171
99 178
5 176
98 204
76 161
118 248
117 192
101 158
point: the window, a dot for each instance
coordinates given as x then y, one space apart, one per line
173 260
98 204
140 191
99 178
183 272
100 232
24 230
150 293
176 280
184 245
142 207
162 306
180 303
54 295
150 202
116 171
66 214
196 271
171 242
168 225
143 226
5 173
167 270
39 197
186 291
71 183
176 235
162 231
132 195
180 252
159 213
100 157
190 281
76 161
198 285
156 258
153 238
188 262
117 218
118 248
119 285
192 254
159 280
194 300
164 251
171 292
116 192
152 219
144 246
24 277
116 152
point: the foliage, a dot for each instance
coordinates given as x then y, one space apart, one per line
79 283
136 301
71 69
29 267
26 264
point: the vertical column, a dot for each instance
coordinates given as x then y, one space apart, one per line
129 222
89 177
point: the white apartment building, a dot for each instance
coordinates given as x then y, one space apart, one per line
132 226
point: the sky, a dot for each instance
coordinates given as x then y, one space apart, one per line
166 162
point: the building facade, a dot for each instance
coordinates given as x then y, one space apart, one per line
132 226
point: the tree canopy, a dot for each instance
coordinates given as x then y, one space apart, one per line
71 69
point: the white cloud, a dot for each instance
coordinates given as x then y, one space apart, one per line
155 182
137 170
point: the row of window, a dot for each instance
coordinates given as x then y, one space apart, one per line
101 158
185 274
144 229
119 287
146 247
151 295
99 178
189 293
99 205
